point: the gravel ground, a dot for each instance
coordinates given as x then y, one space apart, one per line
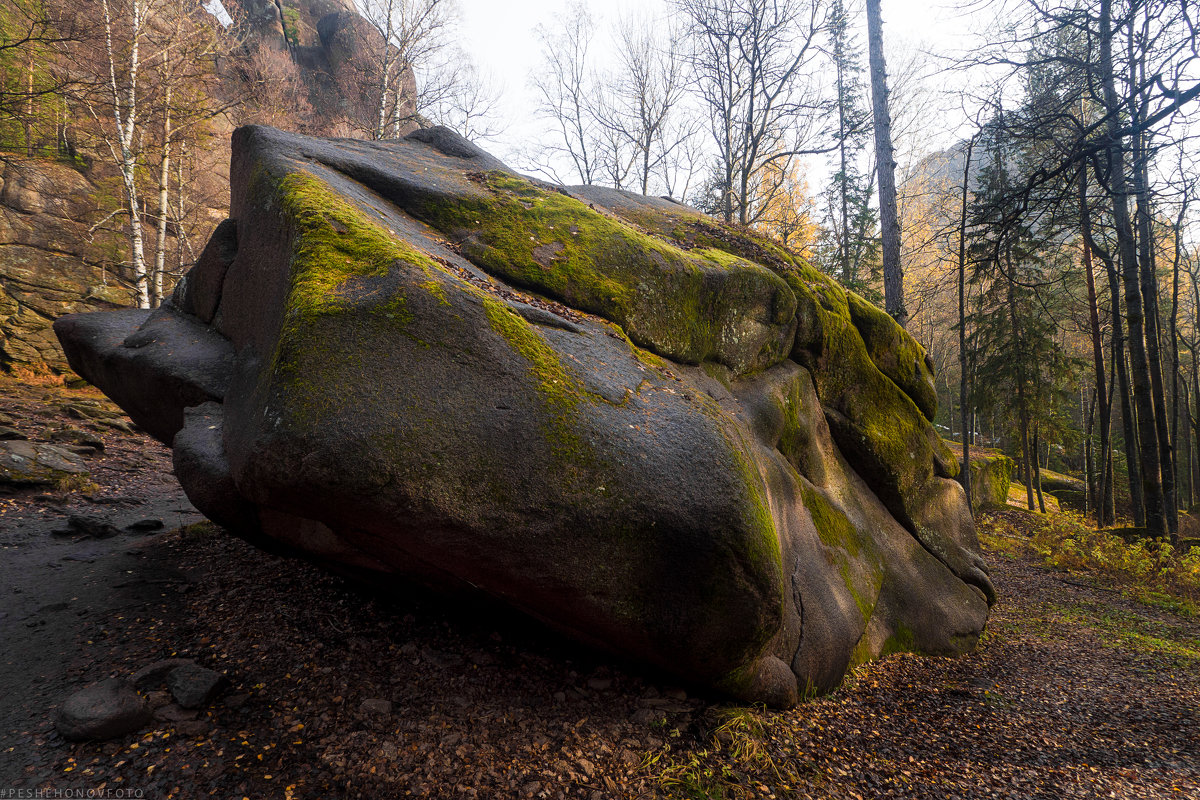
336 692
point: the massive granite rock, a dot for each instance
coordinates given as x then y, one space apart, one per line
657 434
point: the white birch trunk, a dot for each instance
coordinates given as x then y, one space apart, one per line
125 117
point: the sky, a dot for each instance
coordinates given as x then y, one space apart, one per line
500 37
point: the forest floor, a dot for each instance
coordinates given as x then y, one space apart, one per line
1074 690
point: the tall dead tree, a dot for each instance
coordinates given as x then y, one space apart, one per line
885 161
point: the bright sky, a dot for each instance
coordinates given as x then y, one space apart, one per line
499 35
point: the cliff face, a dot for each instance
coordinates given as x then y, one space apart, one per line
62 249
50 263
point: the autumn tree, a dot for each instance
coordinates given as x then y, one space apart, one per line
754 70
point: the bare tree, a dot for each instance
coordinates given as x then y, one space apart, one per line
648 89
753 65
188 41
470 102
125 29
410 35
568 94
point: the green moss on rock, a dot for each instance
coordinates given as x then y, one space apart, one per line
689 308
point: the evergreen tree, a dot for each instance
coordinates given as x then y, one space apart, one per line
1021 370
850 246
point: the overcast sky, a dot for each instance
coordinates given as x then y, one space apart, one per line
499 35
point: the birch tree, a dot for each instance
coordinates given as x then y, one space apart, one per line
410 34
124 35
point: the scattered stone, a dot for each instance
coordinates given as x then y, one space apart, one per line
154 676
158 699
8 434
193 685
88 527
106 710
236 701
600 684
194 728
75 436
376 705
173 713
26 464
145 526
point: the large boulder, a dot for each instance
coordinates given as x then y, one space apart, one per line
658 434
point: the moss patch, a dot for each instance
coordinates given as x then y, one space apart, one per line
850 551
337 247
897 354
686 307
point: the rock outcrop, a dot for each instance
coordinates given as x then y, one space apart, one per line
657 434
50 263
991 476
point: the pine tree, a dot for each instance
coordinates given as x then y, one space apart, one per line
1021 370
850 250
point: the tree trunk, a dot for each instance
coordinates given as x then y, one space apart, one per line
1128 423
1139 366
889 221
1037 467
962 324
1149 286
164 208
1100 501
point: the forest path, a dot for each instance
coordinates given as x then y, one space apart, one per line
1074 691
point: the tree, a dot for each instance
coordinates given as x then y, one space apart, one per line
885 169
125 31
753 69
470 102
648 88
568 94
409 35
852 220
1021 367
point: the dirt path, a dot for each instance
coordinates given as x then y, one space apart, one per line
56 590
1074 692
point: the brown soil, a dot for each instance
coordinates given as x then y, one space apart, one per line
1073 692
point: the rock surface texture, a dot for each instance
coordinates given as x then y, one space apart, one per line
653 432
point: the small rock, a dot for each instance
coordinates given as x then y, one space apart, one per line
145 525
78 437
173 713
158 699
192 686
600 684
106 710
376 705
8 434
236 700
644 716
194 727
152 676
88 527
